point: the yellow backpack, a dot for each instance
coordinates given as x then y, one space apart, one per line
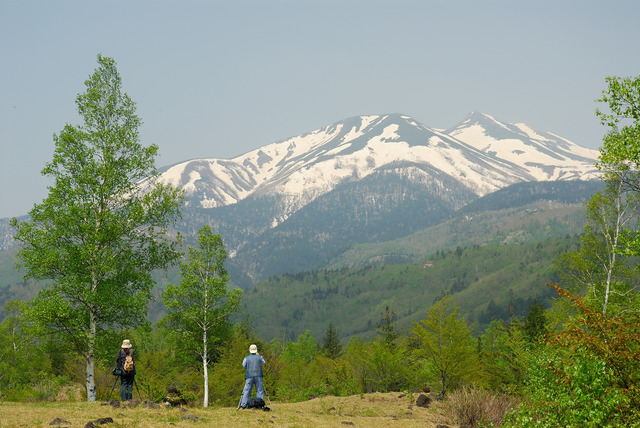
128 363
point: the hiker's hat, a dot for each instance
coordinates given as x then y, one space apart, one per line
126 344
253 349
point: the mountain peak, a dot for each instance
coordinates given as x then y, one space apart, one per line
481 153
544 154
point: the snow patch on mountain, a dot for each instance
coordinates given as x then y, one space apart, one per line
481 153
546 156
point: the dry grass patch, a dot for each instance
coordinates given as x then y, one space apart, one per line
369 410
470 407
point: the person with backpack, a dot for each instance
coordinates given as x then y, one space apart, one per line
126 364
252 363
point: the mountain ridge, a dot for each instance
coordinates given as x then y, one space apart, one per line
302 168
296 203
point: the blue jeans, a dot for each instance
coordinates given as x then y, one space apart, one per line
246 392
126 387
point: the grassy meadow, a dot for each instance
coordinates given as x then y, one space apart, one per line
393 409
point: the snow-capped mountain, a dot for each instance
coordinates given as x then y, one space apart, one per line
545 155
481 153
290 205
297 204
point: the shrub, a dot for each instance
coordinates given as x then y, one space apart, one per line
587 374
575 390
472 407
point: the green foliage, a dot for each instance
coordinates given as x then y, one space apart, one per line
447 344
575 394
227 377
620 152
299 379
331 346
21 360
600 266
337 376
200 307
383 367
587 375
387 327
98 234
509 275
157 364
299 375
535 325
621 146
503 355
303 350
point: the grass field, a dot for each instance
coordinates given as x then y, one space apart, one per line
369 410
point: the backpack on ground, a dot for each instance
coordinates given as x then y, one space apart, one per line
257 403
128 364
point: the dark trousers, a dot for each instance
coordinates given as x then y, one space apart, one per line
126 387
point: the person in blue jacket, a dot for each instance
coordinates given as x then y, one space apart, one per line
252 363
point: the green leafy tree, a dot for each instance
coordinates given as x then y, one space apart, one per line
387 368
331 346
620 151
304 349
22 362
602 265
100 232
200 307
447 344
587 375
621 146
503 355
299 375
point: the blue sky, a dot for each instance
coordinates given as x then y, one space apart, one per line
219 78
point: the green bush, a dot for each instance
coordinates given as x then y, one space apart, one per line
575 390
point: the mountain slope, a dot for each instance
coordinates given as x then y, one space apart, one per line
304 167
486 282
545 156
522 213
296 204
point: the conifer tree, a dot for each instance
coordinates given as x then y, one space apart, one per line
331 346
535 323
387 327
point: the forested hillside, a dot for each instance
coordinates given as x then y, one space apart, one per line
520 224
487 282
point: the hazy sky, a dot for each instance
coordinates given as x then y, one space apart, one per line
220 78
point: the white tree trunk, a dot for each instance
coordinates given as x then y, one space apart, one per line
90 374
205 370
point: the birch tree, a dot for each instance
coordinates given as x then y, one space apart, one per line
200 306
99 233
604 263
602 266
